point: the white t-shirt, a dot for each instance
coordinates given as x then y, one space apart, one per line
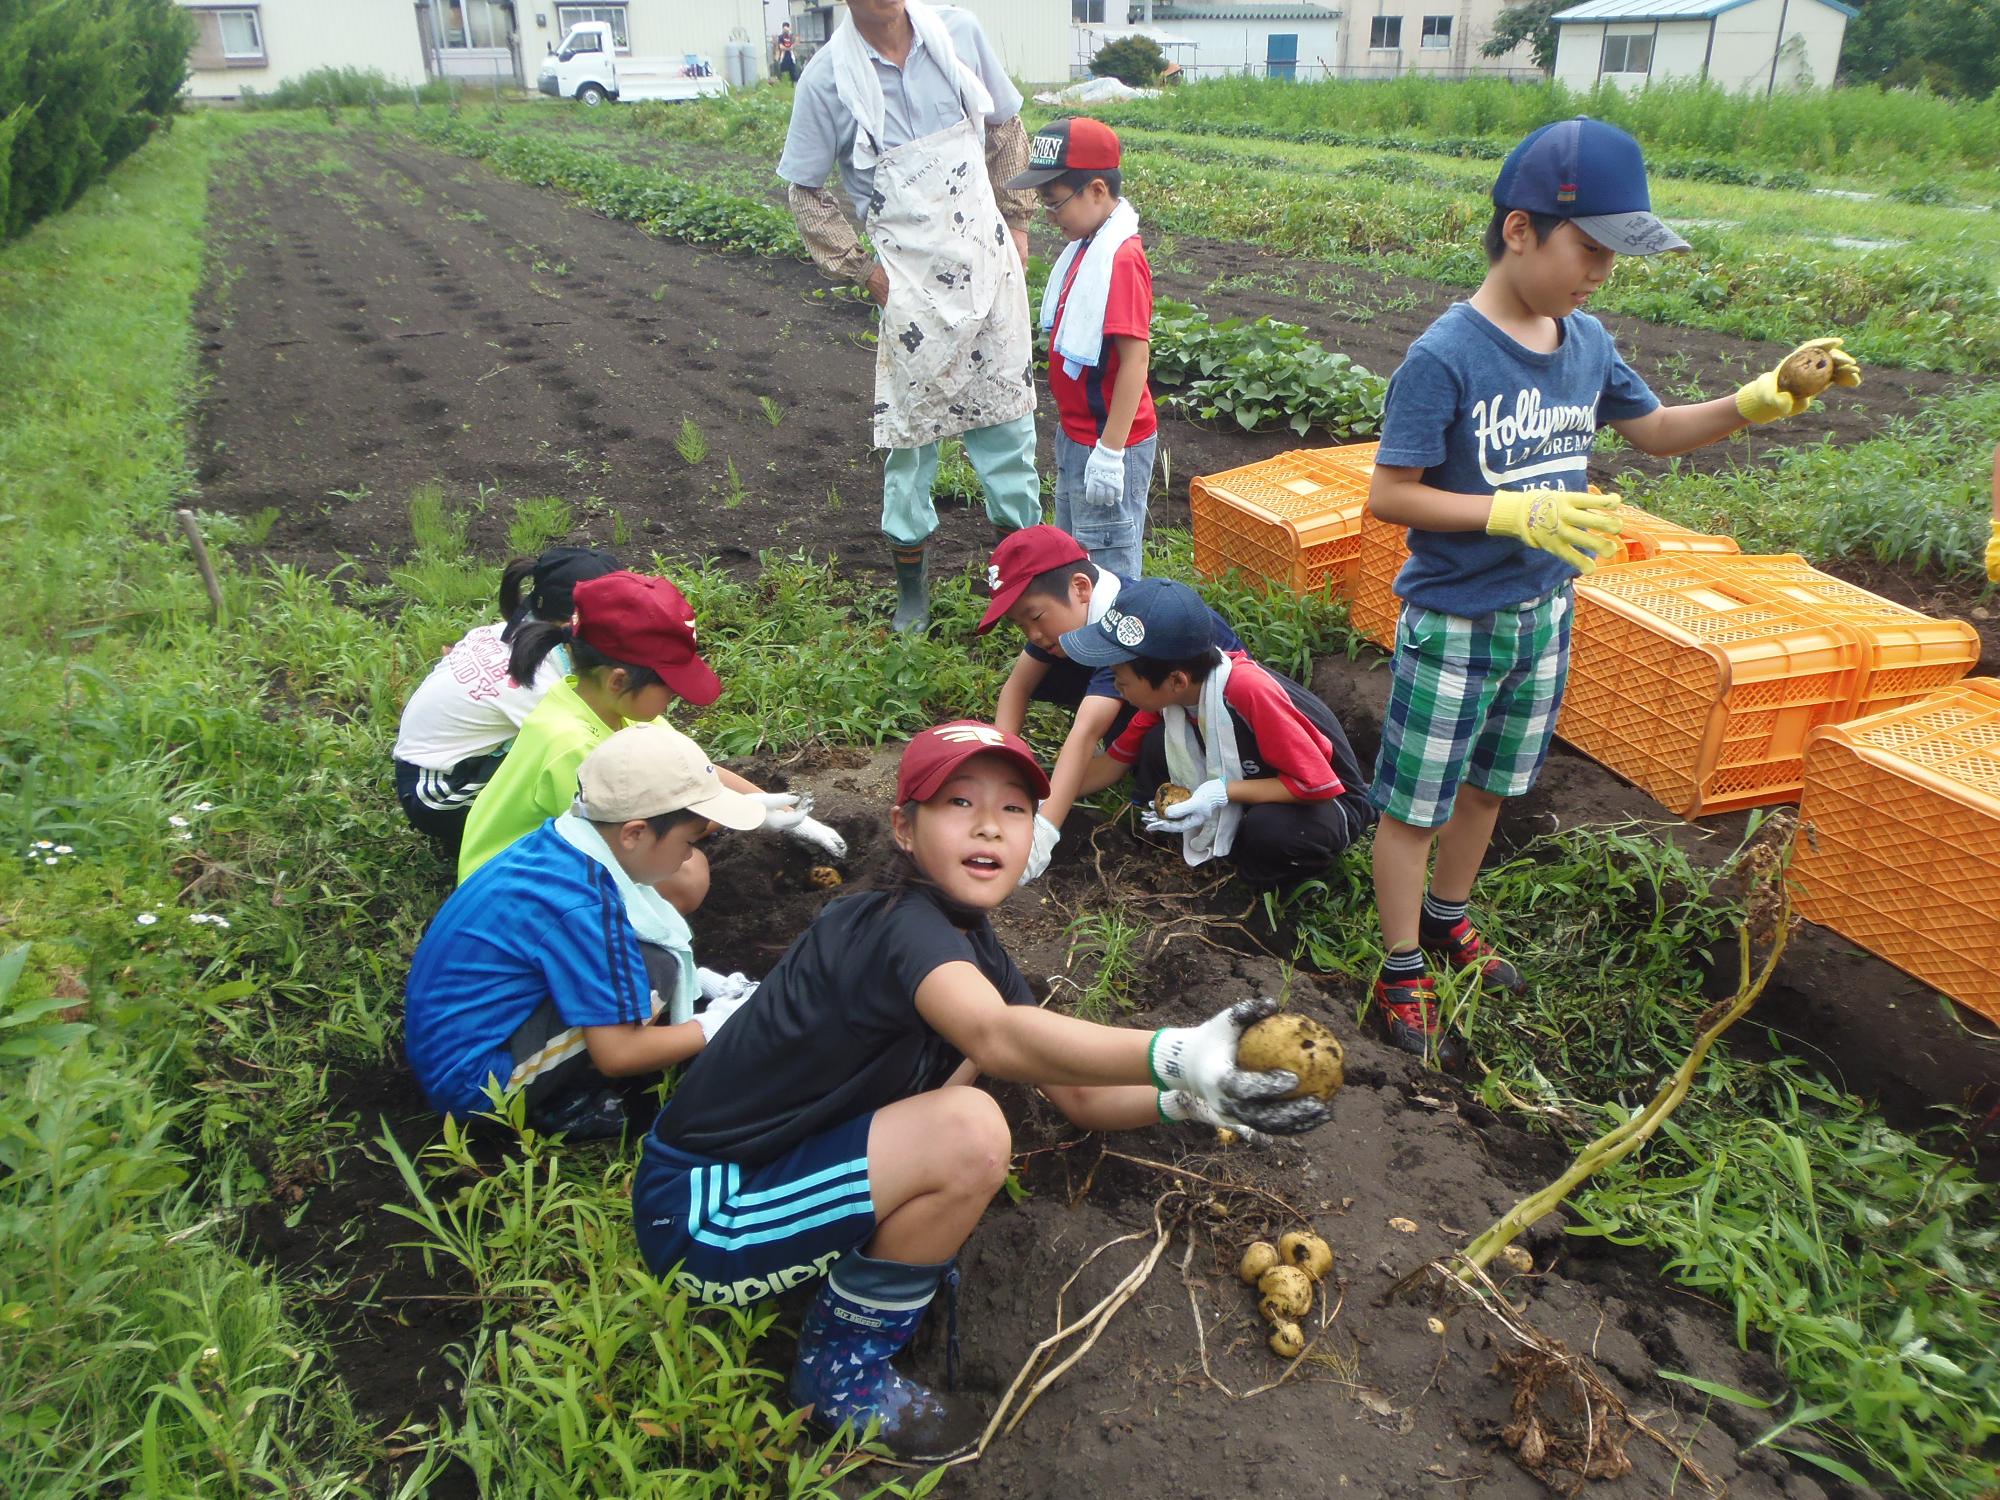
469 705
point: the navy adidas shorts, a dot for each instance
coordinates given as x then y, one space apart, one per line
731 1235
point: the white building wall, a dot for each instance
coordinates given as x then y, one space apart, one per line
1820 29
1579 45
1031 36
1738 57
1243 46
1472 23
1744 40
1680 49
301 35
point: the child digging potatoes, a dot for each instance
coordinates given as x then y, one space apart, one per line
834 1129
557 967
1486 441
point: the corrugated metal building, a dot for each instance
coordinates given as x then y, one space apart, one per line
1760 45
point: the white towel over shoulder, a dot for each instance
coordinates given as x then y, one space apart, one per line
857 87
1193 758
1080 340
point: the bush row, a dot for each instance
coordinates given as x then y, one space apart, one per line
82 84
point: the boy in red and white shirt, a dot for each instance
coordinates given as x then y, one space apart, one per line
1273 784
1098 313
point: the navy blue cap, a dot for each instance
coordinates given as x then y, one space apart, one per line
1153 617
1589 172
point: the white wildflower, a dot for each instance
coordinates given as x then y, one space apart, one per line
204 807
177 821
147 918
64 849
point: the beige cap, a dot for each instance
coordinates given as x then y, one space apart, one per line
647 769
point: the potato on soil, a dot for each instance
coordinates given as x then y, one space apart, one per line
1300 1045
1307 1251
1288 1294
1259 1256
826 877
1167 795
1517 1259
1287 1342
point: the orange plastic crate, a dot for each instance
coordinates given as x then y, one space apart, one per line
1902 853
1358 457
1698 688
1907 654
1293 520
1648 536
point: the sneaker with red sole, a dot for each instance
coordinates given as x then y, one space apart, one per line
1463 950
1408 1010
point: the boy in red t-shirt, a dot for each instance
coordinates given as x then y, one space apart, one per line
1098 312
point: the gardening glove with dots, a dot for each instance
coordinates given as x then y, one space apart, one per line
1178 1107
1104 475
1201 1061
1801 375
1184 817
1993 553
1577 528
790 813
1047 835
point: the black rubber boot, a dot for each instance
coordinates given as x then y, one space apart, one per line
913 586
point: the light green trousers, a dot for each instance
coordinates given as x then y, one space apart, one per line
1004 458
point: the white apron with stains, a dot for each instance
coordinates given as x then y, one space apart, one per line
955 350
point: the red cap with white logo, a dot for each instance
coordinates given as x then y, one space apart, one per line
1018 561
644 622
932 756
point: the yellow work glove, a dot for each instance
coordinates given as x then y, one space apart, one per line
1800 376
1576 528
1993 553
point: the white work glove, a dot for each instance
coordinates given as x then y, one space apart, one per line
1104 475
791 813
710 1020
716 986
1047 835
1179 1107
1184 817
1201 1061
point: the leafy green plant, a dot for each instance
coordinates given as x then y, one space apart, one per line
691 443
439 528
1109 940
773 413
1262 373
538 523
733 493
1133 60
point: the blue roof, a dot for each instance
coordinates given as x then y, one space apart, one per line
1663 10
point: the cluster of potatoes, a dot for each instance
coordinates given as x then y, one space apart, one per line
1285 1275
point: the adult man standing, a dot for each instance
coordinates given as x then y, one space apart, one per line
914 107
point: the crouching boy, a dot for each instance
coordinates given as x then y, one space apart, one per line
1272 783
557 967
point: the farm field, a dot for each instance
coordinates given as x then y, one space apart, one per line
405 365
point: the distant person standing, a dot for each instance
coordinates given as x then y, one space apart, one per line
915 108
784 53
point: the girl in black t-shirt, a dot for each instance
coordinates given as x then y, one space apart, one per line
829 1129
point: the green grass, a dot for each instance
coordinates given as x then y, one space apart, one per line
1919 494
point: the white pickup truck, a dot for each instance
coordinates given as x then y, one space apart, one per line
587 66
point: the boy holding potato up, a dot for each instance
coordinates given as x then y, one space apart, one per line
1486 440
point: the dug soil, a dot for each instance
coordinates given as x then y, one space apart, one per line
414 318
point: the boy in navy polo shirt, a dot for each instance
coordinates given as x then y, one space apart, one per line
1273 784
1098 313
557 967
1485 443
1045 585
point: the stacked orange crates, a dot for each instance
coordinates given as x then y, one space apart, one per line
1907 654
1700 687
1293 521
1902 853
1383 551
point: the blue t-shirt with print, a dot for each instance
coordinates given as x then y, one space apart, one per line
1478 412
539 921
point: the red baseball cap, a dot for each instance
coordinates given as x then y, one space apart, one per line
1018 561
932 756
1075 144
644 622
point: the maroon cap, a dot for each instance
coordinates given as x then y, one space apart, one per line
932 756
644 622
1019 560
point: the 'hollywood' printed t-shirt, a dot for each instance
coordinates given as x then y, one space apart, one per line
1478 412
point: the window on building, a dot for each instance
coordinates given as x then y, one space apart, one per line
1087 12
1437 31
228 38
612 16
473 23
1385 34
1628 54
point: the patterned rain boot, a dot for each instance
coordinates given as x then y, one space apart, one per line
864 1315
913 586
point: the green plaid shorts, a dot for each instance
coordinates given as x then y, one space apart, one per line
1470 701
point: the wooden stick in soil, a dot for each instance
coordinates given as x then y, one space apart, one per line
192 529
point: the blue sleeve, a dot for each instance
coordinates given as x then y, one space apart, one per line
1102 684
812 139
983 60
1423 400
1625 394
591 962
